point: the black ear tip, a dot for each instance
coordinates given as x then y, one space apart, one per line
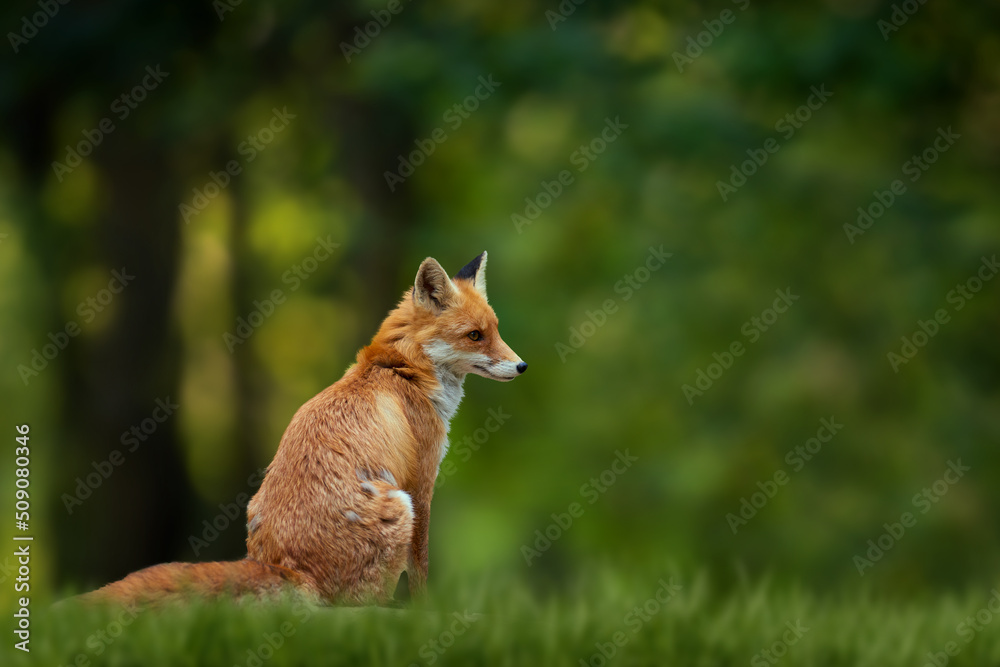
468 272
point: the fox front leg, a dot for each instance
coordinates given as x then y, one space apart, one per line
417 567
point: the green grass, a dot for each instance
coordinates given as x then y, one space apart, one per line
517 626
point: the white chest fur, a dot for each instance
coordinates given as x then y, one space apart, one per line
448 395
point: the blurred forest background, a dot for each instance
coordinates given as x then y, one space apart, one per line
313 113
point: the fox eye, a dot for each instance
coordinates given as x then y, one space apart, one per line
475 335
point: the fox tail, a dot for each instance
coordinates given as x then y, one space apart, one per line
171 582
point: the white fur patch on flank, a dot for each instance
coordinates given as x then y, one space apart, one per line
404 497
352 516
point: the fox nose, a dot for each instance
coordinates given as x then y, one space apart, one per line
521 367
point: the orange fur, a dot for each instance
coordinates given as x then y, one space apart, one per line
345 504
175 581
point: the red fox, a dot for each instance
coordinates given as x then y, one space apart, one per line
345 505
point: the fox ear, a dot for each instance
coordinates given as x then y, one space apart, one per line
476 272
432 289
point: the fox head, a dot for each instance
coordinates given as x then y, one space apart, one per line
453 324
